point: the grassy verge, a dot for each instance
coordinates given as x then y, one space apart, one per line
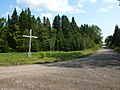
7 59
117 49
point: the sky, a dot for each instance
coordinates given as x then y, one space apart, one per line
103 13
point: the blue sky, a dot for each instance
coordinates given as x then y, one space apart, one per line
104 13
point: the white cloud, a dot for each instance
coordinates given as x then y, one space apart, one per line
92 1
102 10
78 9
107 8
81 0
39 10
60 6
111 6
110 1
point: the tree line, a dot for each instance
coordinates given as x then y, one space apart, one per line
61 35
113 41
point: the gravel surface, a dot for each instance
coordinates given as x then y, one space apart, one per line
99 71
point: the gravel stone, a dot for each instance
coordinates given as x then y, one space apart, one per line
99 71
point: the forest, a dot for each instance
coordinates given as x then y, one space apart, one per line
60 35
113 41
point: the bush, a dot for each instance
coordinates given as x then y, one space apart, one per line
43 55
117 49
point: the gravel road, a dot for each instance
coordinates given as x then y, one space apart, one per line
99 71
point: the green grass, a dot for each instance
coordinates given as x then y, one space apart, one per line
117 49
7 59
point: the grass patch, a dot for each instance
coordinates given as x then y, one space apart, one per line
7 59
117 49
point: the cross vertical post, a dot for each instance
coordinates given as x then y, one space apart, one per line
50 41
29 53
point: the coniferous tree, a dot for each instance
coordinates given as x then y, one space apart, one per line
22 28
35 42
108 40
29 19
3 38
39 33
75 31
116 36
22 22
65 24
48 25
66 28
13 30
60 41
45 35
53 39
74 26
57 23
44 21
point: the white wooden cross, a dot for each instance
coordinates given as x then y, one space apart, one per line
29 53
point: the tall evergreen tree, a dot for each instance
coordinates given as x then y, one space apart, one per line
22 22
13 30
57 23
116 36
60 42
48 25
29 19
22 28
65 24
3 38
44 21
74 25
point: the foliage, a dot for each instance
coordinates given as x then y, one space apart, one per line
108 40
63 35
114 40
3 38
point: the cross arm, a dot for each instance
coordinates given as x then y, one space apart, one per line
30 36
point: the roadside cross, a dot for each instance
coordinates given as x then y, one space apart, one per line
29 53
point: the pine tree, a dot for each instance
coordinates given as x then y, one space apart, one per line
48 25
39 24
29 19
22 21
74 25
75 31
65 24
57 23
13 30
3 38
44 21
35 42
116 36
108 40
53 39
22 28
60 41
72 41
